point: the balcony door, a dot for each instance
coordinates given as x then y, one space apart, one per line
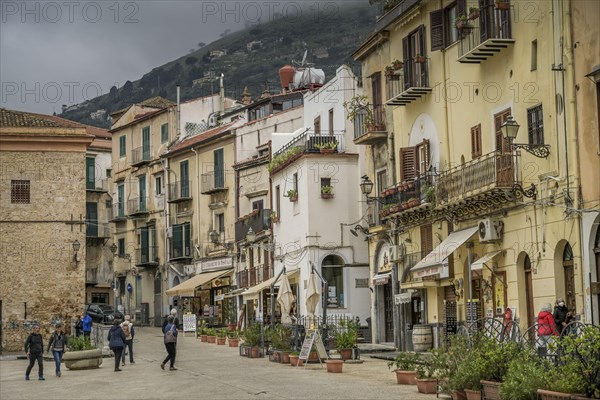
219 168
90 176
413 48
495 23
91 219
377 99
142 191
504 160
146 143
569 277
184 175
121 200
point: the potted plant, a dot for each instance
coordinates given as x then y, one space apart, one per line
346 337
252 340
357 105
282 341
428 192
327 147
211 335
426 380
293 195
473 12
82 354
397 64
404 365
326 192
420 59
295 360
413 202
526 373
334 366
274 217
502 4
389 70
233 338
202 331
221 336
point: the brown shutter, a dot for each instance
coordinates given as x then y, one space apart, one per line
408 157
476 141
426 240
436 21
461 7
408 66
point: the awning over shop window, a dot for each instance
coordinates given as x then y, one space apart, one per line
252 292
432 263
381 279
188 287
236 292
477 265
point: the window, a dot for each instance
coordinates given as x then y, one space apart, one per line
476 141
413 49
426 240
535 125
184 175
90 173
142 192
108 172
147 240
502 144
325 182
443 25
534 55
331 122
101 298
377 93
91 219
220 223
158 186
414 161
257 205
278 201
146 143
333 272
122 146
120 200
181 241
219 168
318 126
108 203
295 182
20 192
121 248
164 133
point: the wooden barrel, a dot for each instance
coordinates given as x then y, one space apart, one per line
422 338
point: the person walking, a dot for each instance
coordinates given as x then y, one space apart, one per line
173 313
79 326
562 316
170 340
546 329
116 342
86 326
129 332
34 347
58 345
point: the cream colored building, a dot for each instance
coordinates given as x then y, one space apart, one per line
469 222
42 229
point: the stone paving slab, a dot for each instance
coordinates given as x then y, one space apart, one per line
206 371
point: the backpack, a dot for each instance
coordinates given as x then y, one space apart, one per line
170 335
126 330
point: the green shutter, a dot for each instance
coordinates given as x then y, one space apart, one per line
90 173
146 143
144 251
177 241
219 169
122 146
164 133
142 187
187 239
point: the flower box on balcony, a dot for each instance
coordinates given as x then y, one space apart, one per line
327 195
375 127
473 13
420 59
502 5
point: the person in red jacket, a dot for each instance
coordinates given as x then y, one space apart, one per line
546 329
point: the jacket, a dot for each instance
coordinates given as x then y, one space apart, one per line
58 343
131 330
34 343
560 315
165 322
116 338
167 328
546 325
87 323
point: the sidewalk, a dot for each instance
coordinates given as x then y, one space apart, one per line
206 371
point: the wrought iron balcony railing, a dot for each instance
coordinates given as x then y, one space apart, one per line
138 205
97 185
310 142
95 229
147 255
410 84
259 221
117 213
141 155
180 191
213 182
369 125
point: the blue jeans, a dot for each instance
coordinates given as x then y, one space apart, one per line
128 345
57 359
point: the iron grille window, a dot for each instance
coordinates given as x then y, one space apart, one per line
20 192
535 125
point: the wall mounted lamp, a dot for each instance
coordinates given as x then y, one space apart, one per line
215 238
76 247
250 235
366 187
510 128
359 228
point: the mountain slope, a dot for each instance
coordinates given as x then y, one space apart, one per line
251 57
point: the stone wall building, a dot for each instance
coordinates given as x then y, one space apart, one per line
42 197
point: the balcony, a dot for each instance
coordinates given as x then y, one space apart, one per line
213 182
181 251
97 230
253 276
489 34
98 185
180 191
117 212
242 279
411 84
91 277
367 130
258 220
485 174
147 256
405 196
137 206
310 142
141 156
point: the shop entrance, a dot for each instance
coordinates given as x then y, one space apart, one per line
388 312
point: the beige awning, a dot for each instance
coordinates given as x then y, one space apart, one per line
381 279
477 265
188 287
431 264
252 292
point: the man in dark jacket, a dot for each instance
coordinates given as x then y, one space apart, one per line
34 347
175 319
561 315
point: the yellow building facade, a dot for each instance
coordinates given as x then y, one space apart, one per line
470 223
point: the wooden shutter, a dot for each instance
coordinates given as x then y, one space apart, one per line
461 7
408 66
436 21
422 41
502 144
426 240
408 157
476 141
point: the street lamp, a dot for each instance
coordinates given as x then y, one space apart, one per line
509 130
251 235
366 187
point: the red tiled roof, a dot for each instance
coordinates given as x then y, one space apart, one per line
197 139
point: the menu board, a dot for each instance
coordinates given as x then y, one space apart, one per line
189 322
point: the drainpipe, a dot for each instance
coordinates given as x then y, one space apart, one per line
197 202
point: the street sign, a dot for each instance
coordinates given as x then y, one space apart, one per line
129 287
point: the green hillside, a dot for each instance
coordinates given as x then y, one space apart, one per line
329 40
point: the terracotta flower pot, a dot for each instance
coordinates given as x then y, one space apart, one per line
491 390
427 386
502 5
211 339
221 341
233 342
296 361
346 354
204 338
473 394
406 377
550 395
459 395
334 366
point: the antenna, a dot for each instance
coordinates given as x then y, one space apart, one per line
304 58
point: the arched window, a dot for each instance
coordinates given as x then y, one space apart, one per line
332 269
569 277
175 281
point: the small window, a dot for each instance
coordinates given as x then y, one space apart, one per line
331 122
476 141
534 55
257 205
122 146
295 182
158 186
318 126
325 182
164 133
221 222
535 125
108 172
108 204
278 201
121 247
20 192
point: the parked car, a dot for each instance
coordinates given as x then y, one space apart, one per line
103 313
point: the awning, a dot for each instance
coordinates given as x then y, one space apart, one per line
188 287
381 279
252 292
420 285
477 265
432 263
236 292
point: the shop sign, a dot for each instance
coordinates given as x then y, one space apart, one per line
219 297
217 264
361 283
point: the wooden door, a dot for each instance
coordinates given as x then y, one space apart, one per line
504 158
529 292
388 312
569 269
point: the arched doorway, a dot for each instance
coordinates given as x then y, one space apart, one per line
569 277
529 291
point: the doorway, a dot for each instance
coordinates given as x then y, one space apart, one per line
569 277
388 312
158 299
529 291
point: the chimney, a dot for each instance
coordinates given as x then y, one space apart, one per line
221 95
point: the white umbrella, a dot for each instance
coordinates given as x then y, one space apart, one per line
285 298
312 294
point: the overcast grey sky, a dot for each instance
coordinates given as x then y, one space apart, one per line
64 51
